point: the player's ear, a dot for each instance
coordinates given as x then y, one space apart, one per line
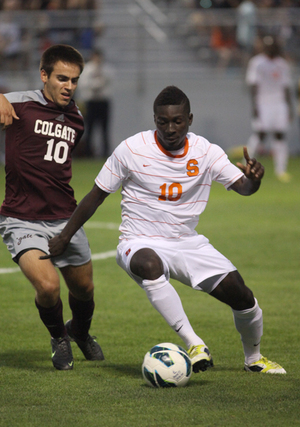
190 119
44 76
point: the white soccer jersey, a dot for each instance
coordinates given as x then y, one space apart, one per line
164 193
271 76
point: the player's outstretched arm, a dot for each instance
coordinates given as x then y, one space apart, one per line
85 209
7 112
253 174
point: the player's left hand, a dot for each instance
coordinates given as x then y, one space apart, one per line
253 169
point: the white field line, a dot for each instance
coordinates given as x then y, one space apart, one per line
95 257
104 255
103 225
9 270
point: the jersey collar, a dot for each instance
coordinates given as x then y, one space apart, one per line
168 153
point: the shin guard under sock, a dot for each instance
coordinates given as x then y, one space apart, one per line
249 323
166 301
82 312
52 318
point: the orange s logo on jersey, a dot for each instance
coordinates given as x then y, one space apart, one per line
192 167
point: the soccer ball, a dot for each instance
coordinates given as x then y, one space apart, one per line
167 365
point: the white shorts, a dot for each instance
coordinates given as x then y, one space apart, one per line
20 236
192 261
271 118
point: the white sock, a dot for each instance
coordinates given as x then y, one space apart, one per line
252 144
249 323
280 156
166 301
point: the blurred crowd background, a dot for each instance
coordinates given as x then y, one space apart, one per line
221 31
203 46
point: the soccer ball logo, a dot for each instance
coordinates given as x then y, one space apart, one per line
167 365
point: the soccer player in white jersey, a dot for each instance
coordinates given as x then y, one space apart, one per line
166 176
269 79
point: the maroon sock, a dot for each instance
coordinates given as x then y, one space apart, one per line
82 312
53 319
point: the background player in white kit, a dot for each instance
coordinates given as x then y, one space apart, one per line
269 79
166 176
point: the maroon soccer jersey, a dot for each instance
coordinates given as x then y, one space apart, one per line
38 158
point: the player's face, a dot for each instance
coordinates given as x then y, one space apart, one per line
172 124
60 86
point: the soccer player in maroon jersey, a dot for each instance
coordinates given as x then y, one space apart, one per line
42 129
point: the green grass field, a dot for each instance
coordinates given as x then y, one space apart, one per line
260 234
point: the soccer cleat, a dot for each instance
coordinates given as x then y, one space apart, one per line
284 177
200 357
266 366
62 357
90 348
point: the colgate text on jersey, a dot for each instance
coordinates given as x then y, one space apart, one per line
57 130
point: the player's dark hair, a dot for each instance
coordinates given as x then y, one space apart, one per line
172 95
60 52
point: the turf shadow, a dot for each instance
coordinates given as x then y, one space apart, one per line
128 370
26 359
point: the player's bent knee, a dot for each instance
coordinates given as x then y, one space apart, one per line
242 296
84 292
146 264
233 292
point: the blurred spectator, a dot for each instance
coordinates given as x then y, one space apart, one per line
95 87
80 4
10 36
11 5
225 3
269 78
224 44
51 4
246 28
217 4
80 30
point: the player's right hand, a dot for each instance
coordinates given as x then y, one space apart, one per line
7 112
